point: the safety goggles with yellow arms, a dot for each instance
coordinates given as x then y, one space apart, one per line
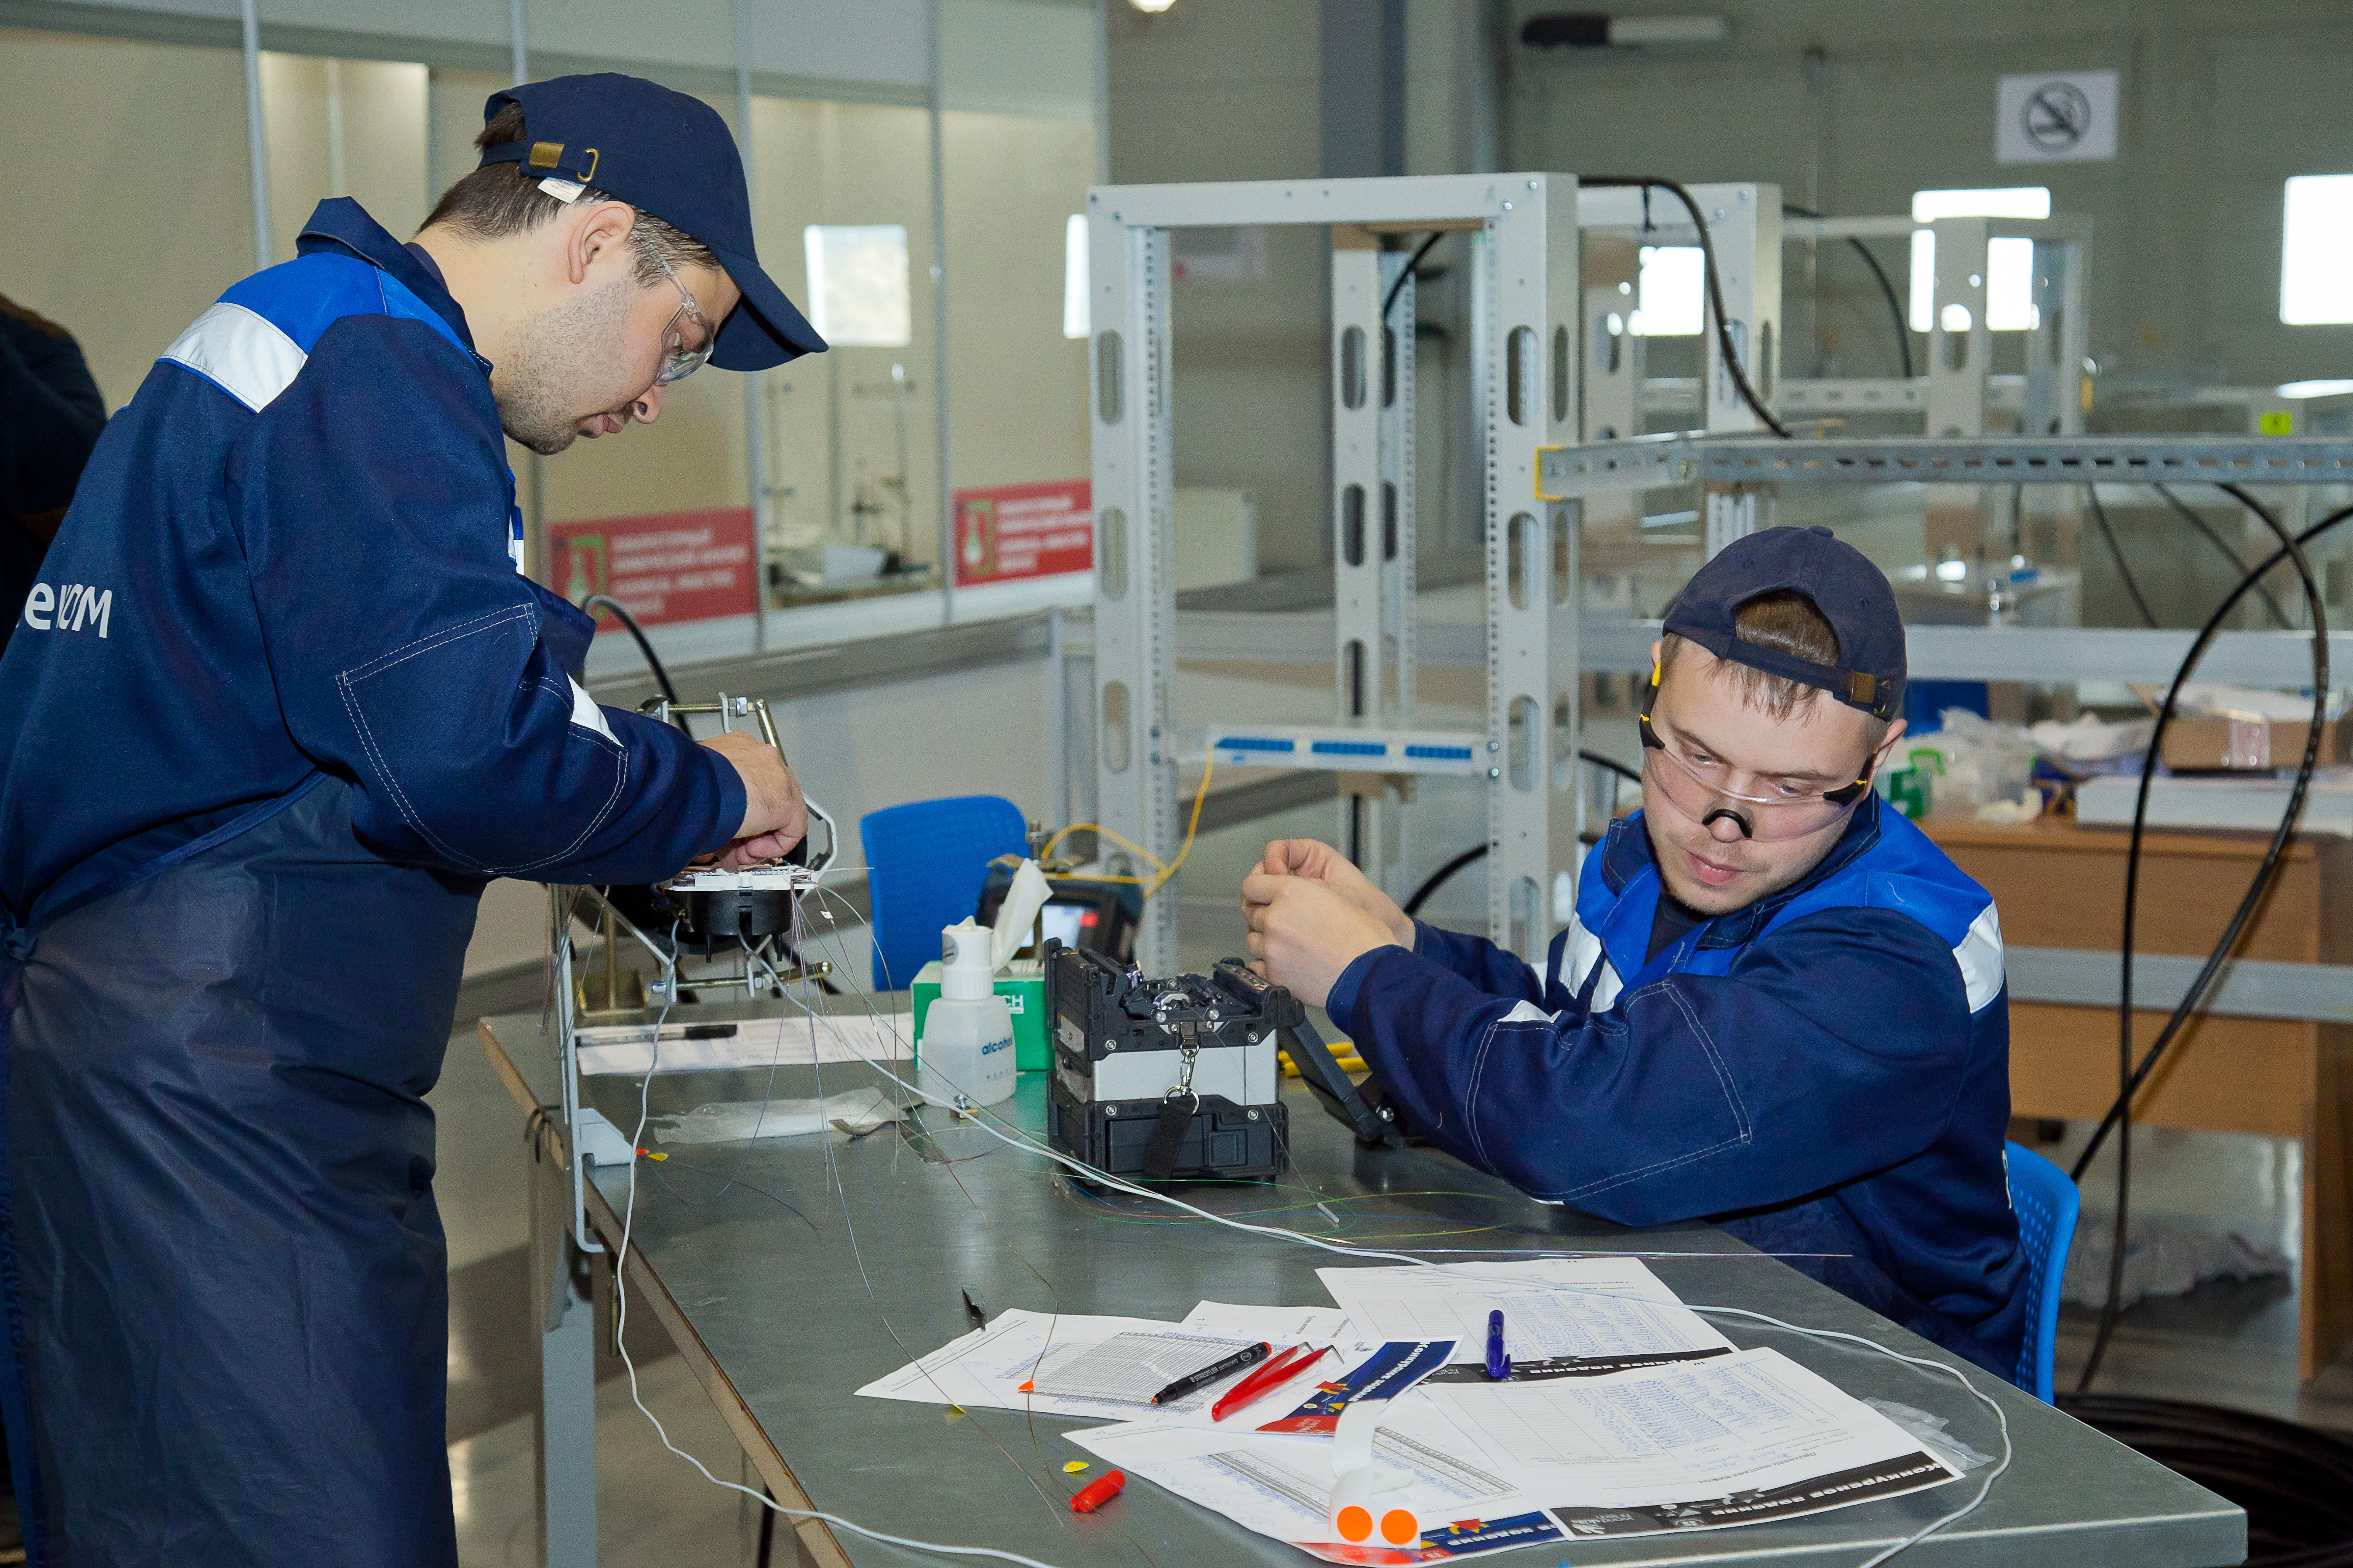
1697 784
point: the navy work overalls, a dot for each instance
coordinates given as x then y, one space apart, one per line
280 708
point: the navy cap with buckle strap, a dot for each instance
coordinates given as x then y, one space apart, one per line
1853 595
671 155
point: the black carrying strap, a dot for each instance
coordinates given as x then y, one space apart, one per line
1176 1120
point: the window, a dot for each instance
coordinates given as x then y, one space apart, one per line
2316 235
2002 201
1075 313
2008 282
857 284
1673 301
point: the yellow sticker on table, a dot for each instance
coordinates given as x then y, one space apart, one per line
2277 422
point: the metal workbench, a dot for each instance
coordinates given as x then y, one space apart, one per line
781 1317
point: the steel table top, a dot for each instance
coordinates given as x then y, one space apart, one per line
794 1272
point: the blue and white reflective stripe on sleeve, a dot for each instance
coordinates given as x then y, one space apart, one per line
514 535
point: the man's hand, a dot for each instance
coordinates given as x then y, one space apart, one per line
1321 863
774 816
1304 932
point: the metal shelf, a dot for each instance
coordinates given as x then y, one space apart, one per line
1606 467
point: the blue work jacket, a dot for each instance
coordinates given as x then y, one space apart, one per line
1825 1073
295 554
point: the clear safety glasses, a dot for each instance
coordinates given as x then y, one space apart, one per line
1699 786
688 341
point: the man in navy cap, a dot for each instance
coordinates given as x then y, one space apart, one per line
1778 1006
281 705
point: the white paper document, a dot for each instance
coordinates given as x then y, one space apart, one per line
1701 1445
986 1369
1280 1485
1562 1316
795 1040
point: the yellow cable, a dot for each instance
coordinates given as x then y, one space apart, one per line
1191 827
1165 868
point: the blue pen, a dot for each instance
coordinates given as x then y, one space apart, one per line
1499 1365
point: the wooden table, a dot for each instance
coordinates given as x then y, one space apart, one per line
2061 885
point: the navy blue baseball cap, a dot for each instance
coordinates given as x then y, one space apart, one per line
671 155
1837 579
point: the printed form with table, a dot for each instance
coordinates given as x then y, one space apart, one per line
1444 1411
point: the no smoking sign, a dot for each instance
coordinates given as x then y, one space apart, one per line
2055 117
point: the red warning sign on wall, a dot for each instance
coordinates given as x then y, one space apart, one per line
671 567
1008 532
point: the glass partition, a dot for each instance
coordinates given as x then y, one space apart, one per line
139 229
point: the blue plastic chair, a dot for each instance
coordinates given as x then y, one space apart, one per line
925 863
2046 1203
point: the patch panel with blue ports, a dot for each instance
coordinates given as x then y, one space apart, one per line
1339 749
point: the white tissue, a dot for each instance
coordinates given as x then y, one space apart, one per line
1017 914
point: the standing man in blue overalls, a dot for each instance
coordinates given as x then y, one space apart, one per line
280 705
1779 1006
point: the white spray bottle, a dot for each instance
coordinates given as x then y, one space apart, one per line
966 1057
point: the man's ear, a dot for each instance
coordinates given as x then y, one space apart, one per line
602 231
1887 747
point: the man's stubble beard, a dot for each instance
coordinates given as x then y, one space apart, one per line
564 349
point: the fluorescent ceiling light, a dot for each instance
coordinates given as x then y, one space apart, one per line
1672 292
2313 389
2316 234
1669 29
1075 277
2001 201
857 284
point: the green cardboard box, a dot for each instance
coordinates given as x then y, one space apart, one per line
1023 984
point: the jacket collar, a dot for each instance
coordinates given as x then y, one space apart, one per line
1626 850
341 223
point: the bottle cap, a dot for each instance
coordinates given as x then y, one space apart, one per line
965 973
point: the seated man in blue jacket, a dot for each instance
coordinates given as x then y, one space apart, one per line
1779 1007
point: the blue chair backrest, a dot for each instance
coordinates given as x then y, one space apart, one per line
2046 1202
925 863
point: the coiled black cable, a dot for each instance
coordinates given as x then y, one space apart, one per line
2296 1482
1887 289
1438 878
2129 1077
1714 285
596 602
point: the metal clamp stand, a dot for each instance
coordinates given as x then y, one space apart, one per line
713 903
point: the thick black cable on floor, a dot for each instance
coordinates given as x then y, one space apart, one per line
596 602
1715 283
2296 1482
1895 305
2116 550
2129 1078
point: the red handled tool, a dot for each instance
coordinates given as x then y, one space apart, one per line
1280 1371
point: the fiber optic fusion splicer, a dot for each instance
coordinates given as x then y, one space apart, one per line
1178 1078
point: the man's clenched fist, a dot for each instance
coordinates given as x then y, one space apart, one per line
775 817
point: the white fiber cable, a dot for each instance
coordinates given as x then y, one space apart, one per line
1016 1138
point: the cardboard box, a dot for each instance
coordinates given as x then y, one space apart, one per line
1023 984
2212 742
